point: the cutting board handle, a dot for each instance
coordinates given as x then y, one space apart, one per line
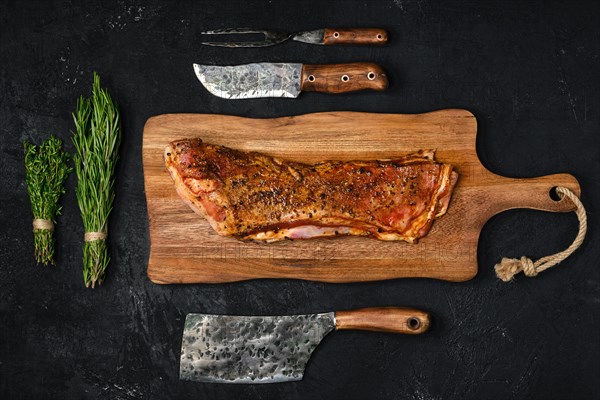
536 193
383 319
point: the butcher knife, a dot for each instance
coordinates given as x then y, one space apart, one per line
269 349
249 81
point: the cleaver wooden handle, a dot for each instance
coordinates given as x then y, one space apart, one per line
383 319
341 78
355 36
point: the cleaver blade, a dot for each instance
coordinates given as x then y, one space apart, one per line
271 349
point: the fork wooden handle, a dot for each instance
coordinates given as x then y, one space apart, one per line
356 36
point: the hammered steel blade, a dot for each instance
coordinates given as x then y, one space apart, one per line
312 37
251 80
270 38
250 349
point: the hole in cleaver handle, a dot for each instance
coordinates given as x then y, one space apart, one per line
384 319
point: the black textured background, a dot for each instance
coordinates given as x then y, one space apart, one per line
530 71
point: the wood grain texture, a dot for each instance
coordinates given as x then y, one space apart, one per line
355 36
341 78
383 319
184 249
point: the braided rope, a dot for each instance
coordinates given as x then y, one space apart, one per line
509 267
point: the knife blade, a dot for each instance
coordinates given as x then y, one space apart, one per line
258 80
269 349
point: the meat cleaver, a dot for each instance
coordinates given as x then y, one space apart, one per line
270 349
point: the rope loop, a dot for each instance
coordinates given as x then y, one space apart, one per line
509 267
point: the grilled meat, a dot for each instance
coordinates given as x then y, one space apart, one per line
252 196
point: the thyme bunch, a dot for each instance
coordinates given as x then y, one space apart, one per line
46 169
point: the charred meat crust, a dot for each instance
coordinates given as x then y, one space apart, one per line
252 196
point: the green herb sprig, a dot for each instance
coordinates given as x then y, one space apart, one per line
46 169
97 139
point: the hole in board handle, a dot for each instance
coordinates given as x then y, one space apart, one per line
554 194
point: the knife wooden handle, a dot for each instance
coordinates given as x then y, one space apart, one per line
341 78
383 319
357 36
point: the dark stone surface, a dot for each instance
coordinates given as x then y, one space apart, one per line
530 71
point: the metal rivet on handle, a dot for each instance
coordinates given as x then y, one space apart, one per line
379 37
311 78
345 78
413 323
336 35
371 76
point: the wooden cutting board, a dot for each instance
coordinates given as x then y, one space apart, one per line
184 249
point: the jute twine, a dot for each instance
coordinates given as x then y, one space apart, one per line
509 267
40 224
92 236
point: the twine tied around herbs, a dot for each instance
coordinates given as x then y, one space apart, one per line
92 236
40 224
47 225
509 267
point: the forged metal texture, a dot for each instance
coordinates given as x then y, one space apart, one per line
251 80
270 37
262 43
312 37
250 349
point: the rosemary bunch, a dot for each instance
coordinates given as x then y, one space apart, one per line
46 169
97 138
